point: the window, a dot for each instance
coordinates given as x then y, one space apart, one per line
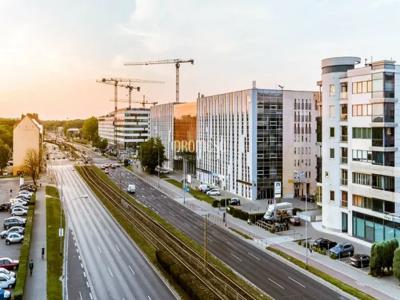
332 153
383 85
332 131
362 155
332 195
362 133
332 90
361 87
382 182
359 110
383 158
383 112
360 178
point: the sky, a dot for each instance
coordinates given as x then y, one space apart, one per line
52 52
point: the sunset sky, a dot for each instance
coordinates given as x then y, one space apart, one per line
52 52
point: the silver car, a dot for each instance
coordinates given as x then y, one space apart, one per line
14 238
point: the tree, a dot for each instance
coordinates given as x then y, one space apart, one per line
32 164
89 129
151 153
101 144
396 263
5 153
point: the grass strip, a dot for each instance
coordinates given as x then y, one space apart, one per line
246 236
195 193
336 282
55 247
22 272
255 292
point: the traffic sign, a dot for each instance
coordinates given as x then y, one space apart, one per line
277 189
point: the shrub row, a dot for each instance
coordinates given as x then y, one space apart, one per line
183 278
195 193
244 215
382 257
24 254
220 203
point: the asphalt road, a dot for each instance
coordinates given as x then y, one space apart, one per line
271 275
114 266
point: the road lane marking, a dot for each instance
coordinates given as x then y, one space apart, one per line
80 295
149 297
296 282
274 282
98 247
252 255
130 268
237 257
116 247
109 271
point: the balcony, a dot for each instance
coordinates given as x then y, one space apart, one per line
344 203
343 117
343 160
343 138
343 96
343 181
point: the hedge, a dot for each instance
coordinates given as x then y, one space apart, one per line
382 257
183 278
195 193
396 263
244 215
24 253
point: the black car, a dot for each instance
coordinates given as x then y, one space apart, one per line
13 221
5 206
359 260
324 244
234 201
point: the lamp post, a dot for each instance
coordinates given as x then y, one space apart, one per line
299 177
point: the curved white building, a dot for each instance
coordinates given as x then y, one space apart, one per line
359 117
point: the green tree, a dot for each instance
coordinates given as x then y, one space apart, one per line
89 129
101 144
396 263
32 164
151 153
5 154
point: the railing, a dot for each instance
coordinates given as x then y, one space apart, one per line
343 138
343 181
344 203
343 117
343 95
343 160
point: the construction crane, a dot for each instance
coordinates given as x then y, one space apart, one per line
144 102
122 82
176 61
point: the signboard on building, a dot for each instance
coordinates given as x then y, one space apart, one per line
277 189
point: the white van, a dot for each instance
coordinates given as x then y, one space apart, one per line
284 206
131 189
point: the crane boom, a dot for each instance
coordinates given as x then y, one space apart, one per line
177 62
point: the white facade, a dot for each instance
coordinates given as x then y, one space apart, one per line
360 138
131 127
248 139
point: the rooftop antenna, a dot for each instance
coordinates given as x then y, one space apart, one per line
366 64
281 87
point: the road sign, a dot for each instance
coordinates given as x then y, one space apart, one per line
277 189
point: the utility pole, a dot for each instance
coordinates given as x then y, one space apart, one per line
205 242
184 179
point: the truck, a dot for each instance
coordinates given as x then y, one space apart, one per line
284 210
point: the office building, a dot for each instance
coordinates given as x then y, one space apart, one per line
130 126
27 136
359 141
247 140
175 124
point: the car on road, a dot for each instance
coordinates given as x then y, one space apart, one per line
14 238
17 229
131 189
6 282
342 250
323 244
5 206
234 201
295 220
213 192
360 260
19 211
8 263
13 221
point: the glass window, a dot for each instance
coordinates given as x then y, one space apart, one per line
379 236
332 195
332 153
331 90
360 230
389 232
369 231
332 131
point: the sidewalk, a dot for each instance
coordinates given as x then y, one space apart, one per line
36 285
381 288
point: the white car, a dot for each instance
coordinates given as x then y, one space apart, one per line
19 211
25 193
131 189
18 205
18 201
214 192
6 282
17 229
14 238
7 272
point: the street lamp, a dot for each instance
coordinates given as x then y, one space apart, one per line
299 177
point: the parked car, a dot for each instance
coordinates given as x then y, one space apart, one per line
106 171
162 170
204 187
14 238
214 192
8 263
17 229
131 189
6 282
26 194
295 220
20 205
342 250
19 211
324 244
13 221
5 206
359 260
6 293
28 187
23 198
8 272
234 201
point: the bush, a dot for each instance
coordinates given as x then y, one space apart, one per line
243 215
24 255
382 254
396 263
